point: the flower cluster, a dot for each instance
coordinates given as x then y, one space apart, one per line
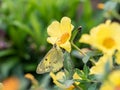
104 38
102 72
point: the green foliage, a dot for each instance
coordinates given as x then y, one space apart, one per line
25 23
68 66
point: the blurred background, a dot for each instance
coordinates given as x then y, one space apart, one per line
23 26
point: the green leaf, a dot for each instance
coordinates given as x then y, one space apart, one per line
86 70
79 72
68 64
35 24
7 65
94 53
23 27
6 52
92 87
87 7
68 83
36 29
18 37
107 69
85 59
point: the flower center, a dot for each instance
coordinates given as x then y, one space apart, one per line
108 43
63 38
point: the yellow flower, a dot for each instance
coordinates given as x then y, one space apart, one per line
76 76
32 78
113 81
1 86
100 65
60 33
104 37
59 77
117 57
71 87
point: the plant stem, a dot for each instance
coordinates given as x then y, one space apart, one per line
73 37
78 49
77 86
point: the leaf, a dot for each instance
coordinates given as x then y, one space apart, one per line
86 70
85 59
79 72
68 83
94 53
23 27
92 87
7 65
68 64
6 52
35 24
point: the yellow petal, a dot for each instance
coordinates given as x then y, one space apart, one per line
53 76
70 88
66 25
1 86
56 78
60 75
85 39
52 40
59 84
76 76
106 86
112 82
114 78
108 22
54 29
100 65
117 57
66 46
32 78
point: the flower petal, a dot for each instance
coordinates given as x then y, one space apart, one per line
85 39
66 25
52 40
117 57
66 46
55 78
100 65
54 29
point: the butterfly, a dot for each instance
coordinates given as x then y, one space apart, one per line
52 61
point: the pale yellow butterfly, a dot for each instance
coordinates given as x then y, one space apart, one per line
52 62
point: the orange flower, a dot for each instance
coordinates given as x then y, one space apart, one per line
11 83
100 6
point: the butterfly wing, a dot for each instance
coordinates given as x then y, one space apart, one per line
57 61
52 61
